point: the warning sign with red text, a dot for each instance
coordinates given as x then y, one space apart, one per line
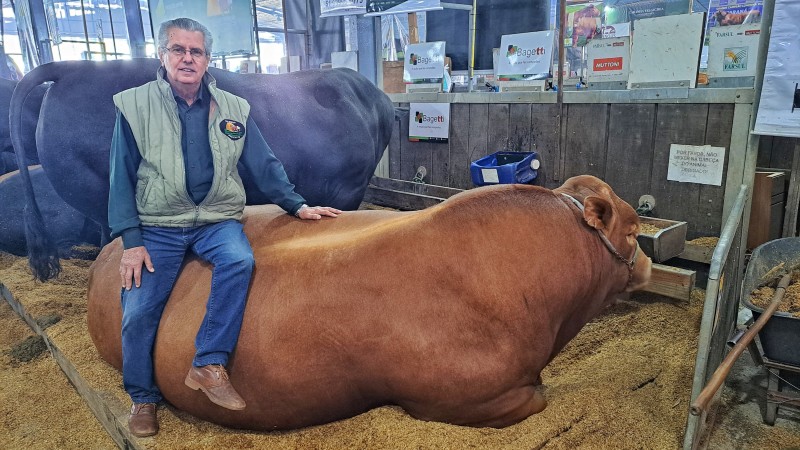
609 59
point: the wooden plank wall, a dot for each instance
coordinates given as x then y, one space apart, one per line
776 152
625 144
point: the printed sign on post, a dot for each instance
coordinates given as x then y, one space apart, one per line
732 51
525 56
424 63
429 122
609 59
701 164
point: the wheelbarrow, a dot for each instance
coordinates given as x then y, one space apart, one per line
778 332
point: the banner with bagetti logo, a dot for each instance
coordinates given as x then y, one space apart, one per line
609 59
732 51
424 63
525 56
429 122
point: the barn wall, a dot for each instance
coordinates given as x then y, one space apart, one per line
626 144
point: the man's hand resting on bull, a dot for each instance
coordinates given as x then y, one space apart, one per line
130 266
316 212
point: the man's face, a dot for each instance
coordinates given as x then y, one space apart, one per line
183 69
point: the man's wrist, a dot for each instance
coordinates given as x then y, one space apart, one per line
297 213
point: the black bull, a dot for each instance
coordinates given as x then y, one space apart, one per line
329 128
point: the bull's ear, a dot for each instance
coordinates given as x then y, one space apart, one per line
598 212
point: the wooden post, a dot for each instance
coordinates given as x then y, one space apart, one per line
413 29
793 198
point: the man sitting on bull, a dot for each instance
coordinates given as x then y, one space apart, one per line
178 146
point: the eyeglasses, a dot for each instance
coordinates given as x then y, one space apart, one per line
178 52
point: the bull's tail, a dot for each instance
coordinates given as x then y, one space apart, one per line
42 252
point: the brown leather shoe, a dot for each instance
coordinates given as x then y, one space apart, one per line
143 421
213 380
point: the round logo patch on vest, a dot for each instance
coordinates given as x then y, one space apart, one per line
232 129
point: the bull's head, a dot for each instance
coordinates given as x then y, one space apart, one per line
615 221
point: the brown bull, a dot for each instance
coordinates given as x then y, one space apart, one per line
450 312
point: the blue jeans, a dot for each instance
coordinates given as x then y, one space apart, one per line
225 246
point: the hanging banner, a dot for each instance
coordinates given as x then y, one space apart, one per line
424 63
732 51
525 56
583 23
779 108
333 8
383 7
429 122
609 59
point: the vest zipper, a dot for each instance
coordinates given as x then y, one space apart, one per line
196 215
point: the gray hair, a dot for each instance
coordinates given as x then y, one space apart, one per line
187 24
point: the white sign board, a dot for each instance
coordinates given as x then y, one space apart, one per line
733 50
424 63
609 59
667 50
701 164
429 122
525 56
779 109
333 8
617 30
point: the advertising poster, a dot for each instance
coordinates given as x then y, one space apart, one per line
583 23
701 164
722 13
525 56
732 51
424 63
617 30
779 108
609 59
332 8
429 122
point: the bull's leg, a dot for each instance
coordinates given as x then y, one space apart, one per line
510 408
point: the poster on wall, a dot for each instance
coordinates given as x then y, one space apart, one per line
333 8
702 164
429 122
732 51
583 23
424 63
609 59
779 108
231 23
722 13
525 56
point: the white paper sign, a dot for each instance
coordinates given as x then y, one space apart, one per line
424 63
701 164
609 59
332 8
429 122
525 56
617 30
779 109
732 51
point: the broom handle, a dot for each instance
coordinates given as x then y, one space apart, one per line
700 404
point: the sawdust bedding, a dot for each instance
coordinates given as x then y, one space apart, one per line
790 304
623 383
